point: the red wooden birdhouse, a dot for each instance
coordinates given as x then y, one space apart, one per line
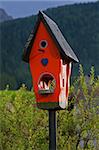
50 57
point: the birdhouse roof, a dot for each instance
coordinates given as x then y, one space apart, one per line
53 29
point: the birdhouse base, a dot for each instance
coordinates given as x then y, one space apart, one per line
49 106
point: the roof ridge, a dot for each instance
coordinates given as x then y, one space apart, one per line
55 32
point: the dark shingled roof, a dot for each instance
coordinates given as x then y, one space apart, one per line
64 48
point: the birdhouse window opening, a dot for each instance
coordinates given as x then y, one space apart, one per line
63 82
46 84
43 44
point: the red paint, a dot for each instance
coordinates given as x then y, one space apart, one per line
51 52
53 67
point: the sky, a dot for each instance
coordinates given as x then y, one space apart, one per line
23 8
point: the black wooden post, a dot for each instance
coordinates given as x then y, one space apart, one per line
52 130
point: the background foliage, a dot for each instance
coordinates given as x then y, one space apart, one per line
24 127
79 24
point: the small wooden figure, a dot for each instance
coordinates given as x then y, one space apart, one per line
50 57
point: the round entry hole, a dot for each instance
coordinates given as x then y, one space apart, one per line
43 44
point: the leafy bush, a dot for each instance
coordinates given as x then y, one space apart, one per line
25 127
22 125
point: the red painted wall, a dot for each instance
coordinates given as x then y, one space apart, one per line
51 52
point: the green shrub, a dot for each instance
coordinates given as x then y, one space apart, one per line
25 127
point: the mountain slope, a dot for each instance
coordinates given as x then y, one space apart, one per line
80 26
4 16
